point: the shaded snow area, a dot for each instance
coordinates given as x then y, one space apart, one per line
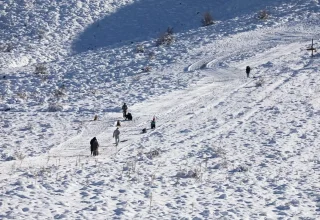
225 146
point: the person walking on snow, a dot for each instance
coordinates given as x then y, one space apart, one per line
118 123
124 110
91 144
153 123
116 135
248 71
94 145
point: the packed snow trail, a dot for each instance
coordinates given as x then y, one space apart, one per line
224 148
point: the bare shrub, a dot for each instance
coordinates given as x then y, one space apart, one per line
207 19
151 55
6 47
146 69
9 48
43 77
140 49
241 168
196 173
41 69
259 82
219 151
170 30
58 93
166 38
153 153
55 107
22 95
41 34
20 156
263 15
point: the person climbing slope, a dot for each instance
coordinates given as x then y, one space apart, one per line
124 110
94 145
153 123
248 71
116 135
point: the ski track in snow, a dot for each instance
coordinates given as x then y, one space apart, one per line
224 117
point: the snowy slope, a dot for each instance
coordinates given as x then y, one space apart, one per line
224 148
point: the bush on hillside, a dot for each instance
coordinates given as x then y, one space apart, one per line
146 69
6 48
170 30
196 173
263 15
58 93
207 19
41 69
41 34
240 168
140 49
151 55
22 95
153 153
166 38
55 107
259 82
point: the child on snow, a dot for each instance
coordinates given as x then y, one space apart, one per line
116 135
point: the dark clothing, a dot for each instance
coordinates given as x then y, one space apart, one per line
129 116
153 124
116 135
248 71
118 124
124 109
92 140
91 144
94 145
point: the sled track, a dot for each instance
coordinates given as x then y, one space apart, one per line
268 38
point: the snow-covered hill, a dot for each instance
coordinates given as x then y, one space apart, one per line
224 147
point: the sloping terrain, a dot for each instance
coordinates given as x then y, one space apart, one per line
225 146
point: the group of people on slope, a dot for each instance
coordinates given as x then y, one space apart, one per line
94 145
125 114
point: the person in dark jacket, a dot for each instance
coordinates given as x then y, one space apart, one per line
129 116
153 123
91 144
124 110
248 71
94 145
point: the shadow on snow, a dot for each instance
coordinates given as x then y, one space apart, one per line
147 19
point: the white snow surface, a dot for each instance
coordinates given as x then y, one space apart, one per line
224 147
